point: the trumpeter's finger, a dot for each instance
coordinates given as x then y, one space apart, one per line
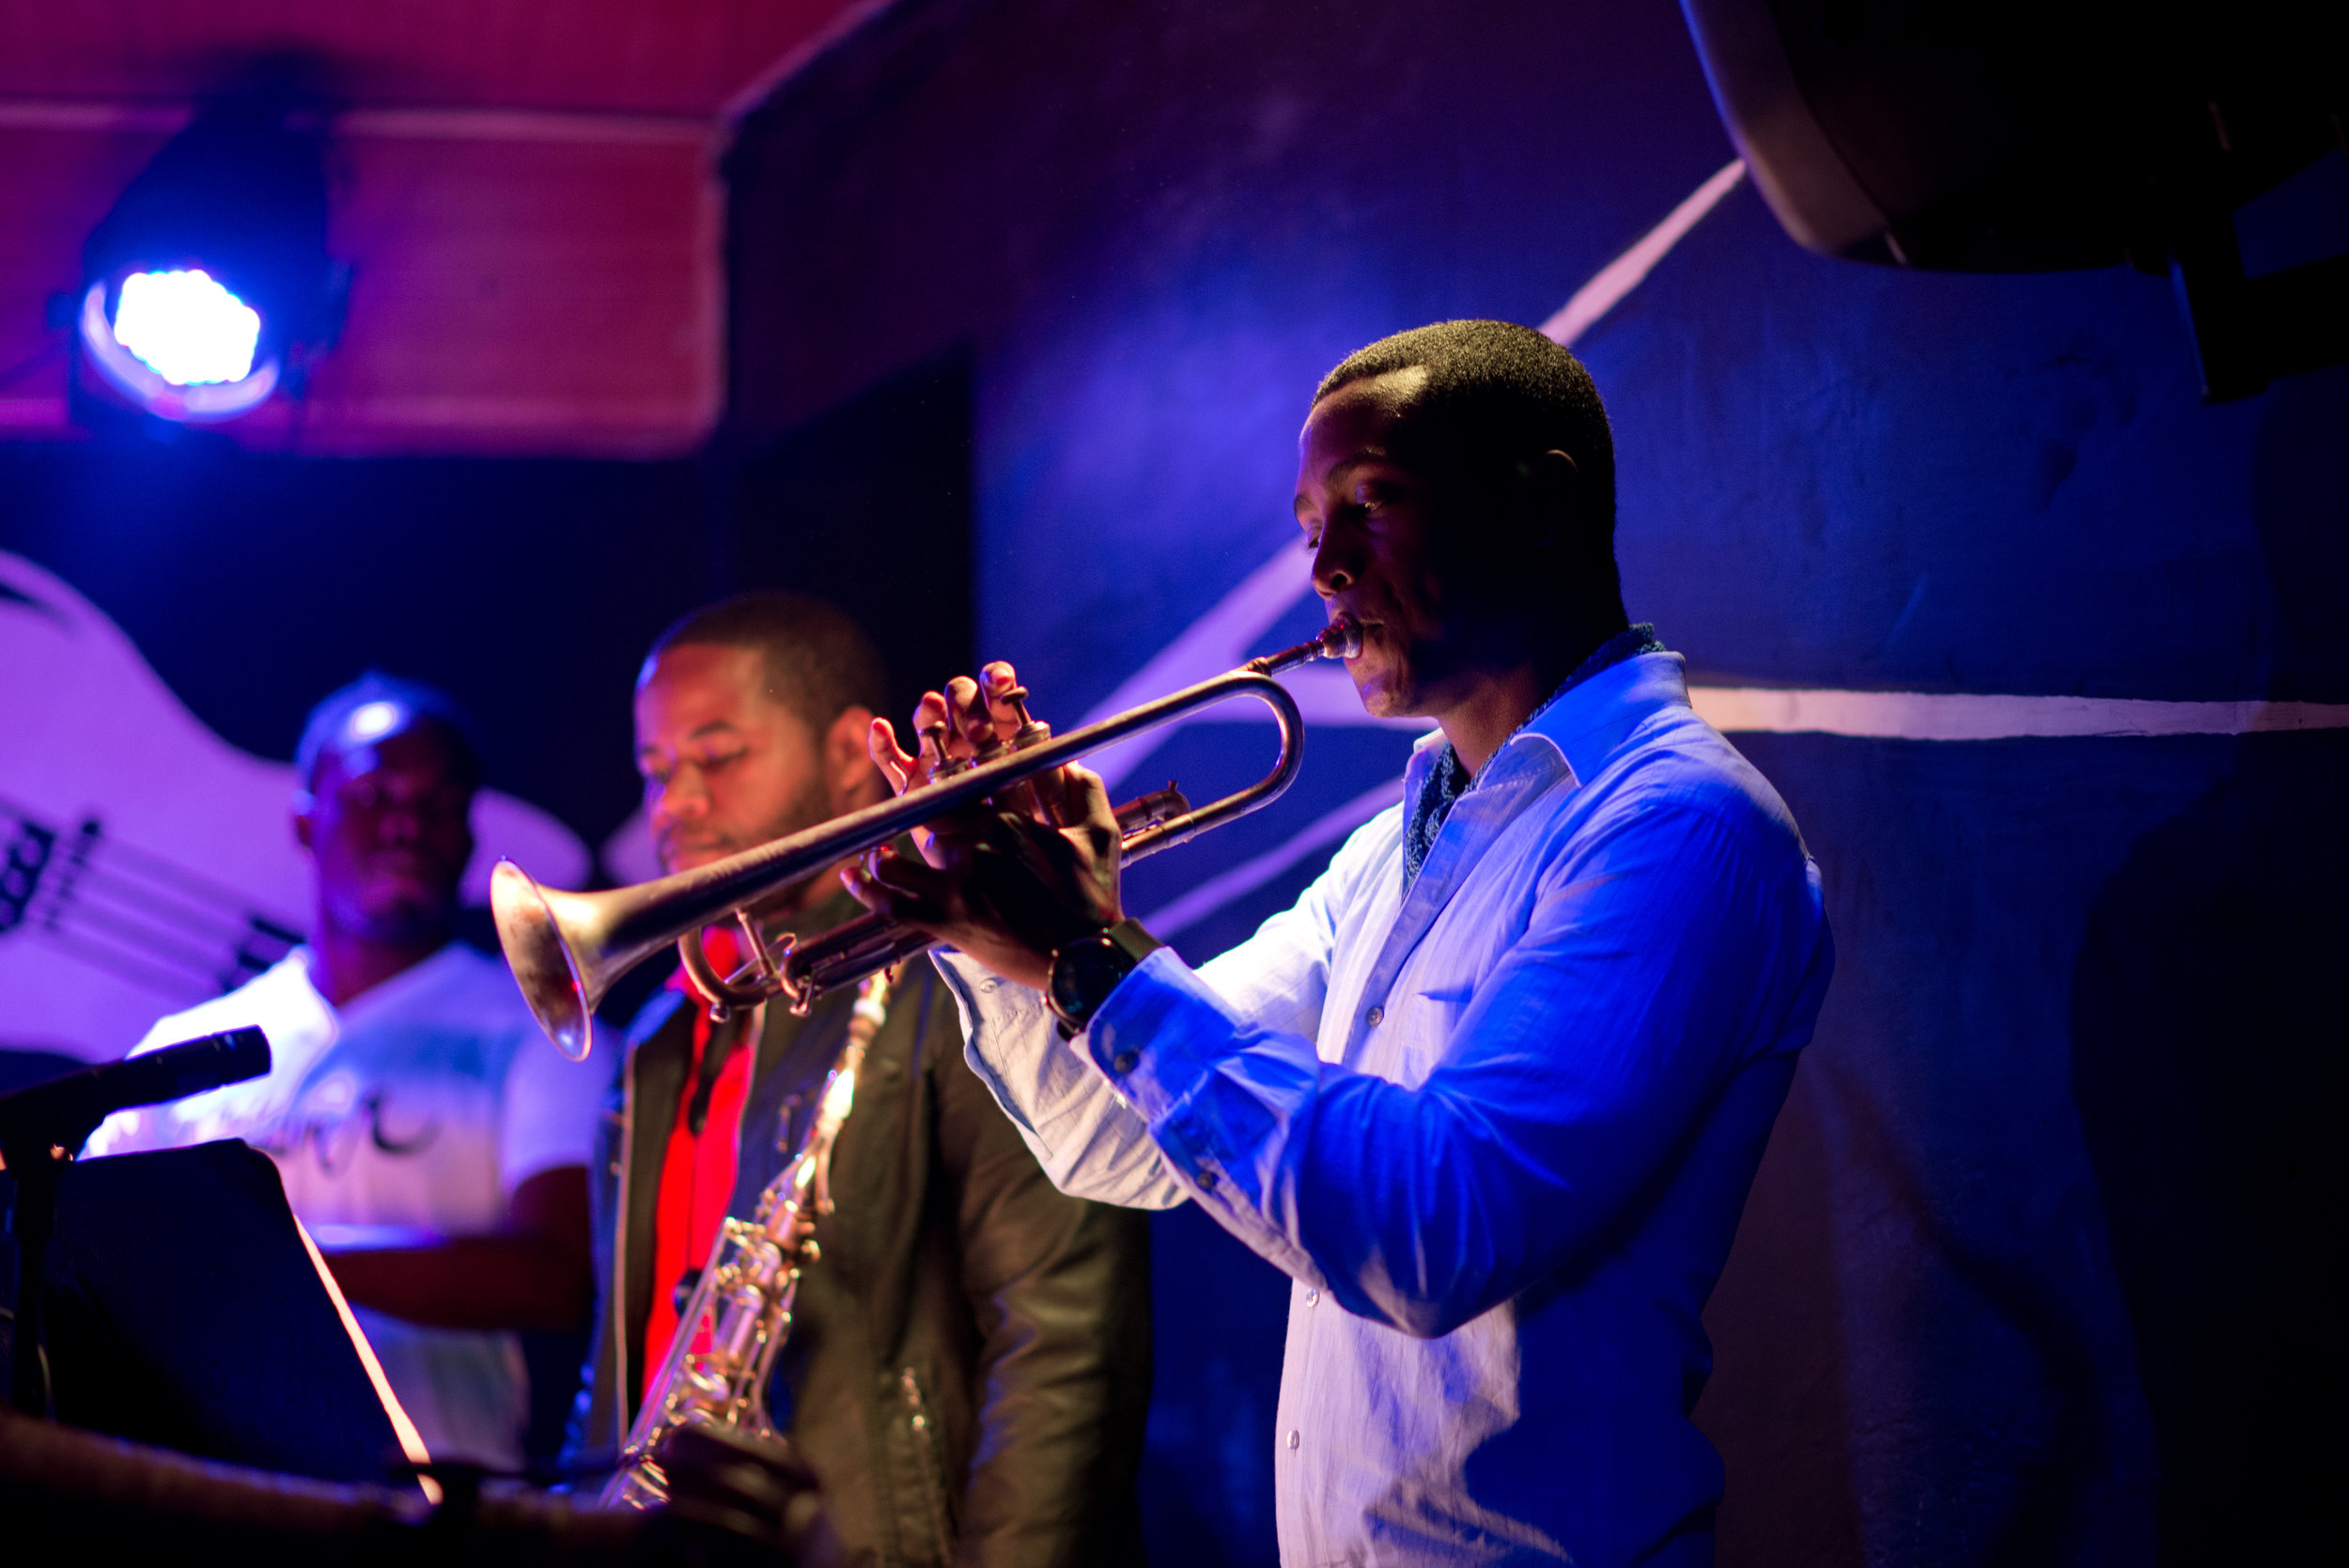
1052 792
895 764
869 892
933 733
906 890
966 707
1086 799
999 679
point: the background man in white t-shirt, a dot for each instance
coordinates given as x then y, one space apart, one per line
428 1136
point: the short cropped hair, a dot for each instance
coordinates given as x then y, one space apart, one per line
1497 394
403 702
820 661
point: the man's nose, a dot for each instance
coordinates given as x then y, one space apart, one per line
1333 572
677 798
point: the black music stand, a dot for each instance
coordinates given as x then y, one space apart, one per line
183 1311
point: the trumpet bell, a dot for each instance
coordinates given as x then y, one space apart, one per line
538 949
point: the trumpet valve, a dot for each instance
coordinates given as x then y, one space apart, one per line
1030 732
936 764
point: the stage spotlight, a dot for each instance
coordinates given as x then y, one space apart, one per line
179 345
188 327
207 288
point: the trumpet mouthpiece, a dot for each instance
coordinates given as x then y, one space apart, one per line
1342 638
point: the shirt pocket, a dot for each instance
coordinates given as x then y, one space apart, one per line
1435 1017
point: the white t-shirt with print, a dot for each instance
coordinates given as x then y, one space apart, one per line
410 1115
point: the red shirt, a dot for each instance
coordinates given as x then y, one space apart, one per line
697 1171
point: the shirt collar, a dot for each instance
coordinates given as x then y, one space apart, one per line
390 993
1577 711
1589 721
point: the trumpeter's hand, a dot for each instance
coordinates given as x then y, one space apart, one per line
1003 884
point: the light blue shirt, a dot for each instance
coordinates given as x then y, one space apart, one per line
1498 1129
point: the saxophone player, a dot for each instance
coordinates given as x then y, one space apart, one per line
968 1363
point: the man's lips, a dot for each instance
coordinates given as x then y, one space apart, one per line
1366 625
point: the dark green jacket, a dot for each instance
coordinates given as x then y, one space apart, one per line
970 1359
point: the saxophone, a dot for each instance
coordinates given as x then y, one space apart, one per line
739 1316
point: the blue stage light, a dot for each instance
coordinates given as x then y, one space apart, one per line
207 287
157 329
187 327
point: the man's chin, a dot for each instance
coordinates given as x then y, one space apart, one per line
1382 696
405 925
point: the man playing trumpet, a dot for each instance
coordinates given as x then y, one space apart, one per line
1493 1090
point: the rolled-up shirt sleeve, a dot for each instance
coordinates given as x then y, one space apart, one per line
1662 953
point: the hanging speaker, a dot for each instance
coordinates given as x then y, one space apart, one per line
1996 136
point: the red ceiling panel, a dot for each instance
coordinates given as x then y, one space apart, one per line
524 189
690 57
54 185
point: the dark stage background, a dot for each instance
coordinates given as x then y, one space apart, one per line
2044 1263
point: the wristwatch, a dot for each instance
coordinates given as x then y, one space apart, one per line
1084 971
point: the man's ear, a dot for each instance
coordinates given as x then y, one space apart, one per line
305 829
850 776
1550 497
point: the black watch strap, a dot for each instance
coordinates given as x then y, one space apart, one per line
1085 971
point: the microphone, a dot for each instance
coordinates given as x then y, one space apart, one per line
64 1112
59 1116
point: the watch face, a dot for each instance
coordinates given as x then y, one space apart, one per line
1083 975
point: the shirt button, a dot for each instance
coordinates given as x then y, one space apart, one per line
1312 1296
1377 1016
1123 1062
1206 1181
1294 1438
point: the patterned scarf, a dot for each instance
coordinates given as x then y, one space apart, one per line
1449 779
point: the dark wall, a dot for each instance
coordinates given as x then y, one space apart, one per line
868 504
529 589
2043 1265
256 584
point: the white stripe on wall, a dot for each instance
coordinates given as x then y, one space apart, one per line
1247 877
1966 716
1327 700
1937 716
1628 270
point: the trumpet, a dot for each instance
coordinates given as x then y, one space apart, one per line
567 949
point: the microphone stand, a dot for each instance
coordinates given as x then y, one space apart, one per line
45 1125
